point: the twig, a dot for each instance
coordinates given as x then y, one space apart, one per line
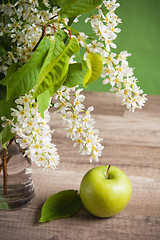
1 165
23 152
4 159
9 157
43 34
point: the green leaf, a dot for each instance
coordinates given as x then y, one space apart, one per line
24 79
6 135
56 64
2 92
75 75
61 35
45 80
6 1
1 76
72 47
11 69
2 51
5 43
4 205
54 88
60 205
71 21
41 6
43 102
95 66
44 98
5 110
53 3
5 107
73 8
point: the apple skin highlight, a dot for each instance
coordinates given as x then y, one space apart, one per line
105 196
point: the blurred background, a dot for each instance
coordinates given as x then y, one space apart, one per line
140 36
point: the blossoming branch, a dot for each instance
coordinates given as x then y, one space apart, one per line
39 70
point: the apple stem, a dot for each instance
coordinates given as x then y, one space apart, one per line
108 171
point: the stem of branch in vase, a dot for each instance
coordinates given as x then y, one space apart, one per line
7 158
4 161
1 165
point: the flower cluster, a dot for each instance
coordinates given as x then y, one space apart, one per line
116 70
33 132
120 76
80 125
25 29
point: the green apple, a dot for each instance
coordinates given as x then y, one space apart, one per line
105 191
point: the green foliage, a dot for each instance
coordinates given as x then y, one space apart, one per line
12 1
44 98
5 44
6 135
2 92
11 69
56 64
53 3
75 75
41 6
54 88
71 21
60 205
2 51
95 66
1 76
43 101
5 106
73 8
61 35
24 79
5 109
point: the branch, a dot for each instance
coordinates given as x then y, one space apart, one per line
4 161
43 34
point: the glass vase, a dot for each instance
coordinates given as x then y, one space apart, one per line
16 185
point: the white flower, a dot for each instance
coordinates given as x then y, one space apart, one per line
108 71
81 37
71 60
96 46
34 134
109 44
80 124
8 9
3 29
6 121
76 19
111 5
124 70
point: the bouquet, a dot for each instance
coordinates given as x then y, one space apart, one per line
46 63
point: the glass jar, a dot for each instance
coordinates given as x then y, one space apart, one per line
16 185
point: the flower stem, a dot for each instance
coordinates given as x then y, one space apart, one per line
69 102
4 159
42 35
2 153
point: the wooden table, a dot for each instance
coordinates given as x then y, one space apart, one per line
132 143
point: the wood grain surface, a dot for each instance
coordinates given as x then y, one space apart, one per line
132 143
